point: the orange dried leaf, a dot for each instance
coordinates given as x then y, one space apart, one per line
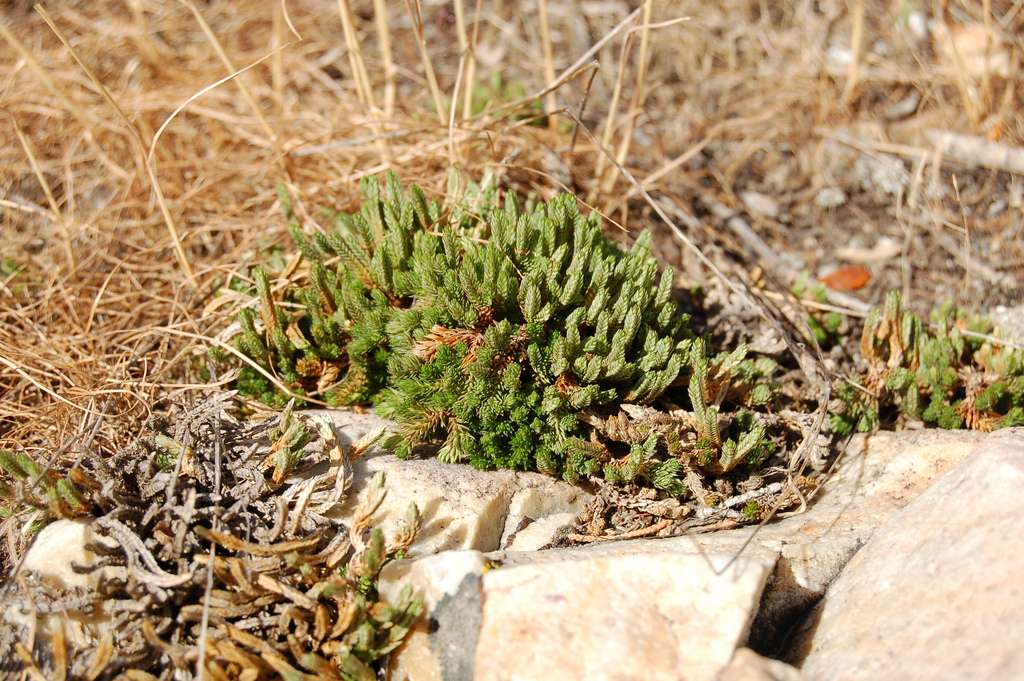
847 278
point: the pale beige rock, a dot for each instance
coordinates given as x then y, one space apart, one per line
937 592
582 615
51 557
540 507
461 507
877 476
539 533
874 479
746 665
58 546
441 645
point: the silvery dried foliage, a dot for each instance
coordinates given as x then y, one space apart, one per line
291 593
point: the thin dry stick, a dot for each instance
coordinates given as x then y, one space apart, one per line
637 98
234 351
355 54
226 60
212 86
613 108
380 18
288 20
578 66
582 109
550 103
84 120
976 150
141 35
452 159
13 366
140 146
460 26
435 90
712 134
277 65
856 50
967 235
467 99
58 216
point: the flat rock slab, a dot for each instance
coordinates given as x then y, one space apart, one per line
615 610
577 614
460 506
641 616
875 478
937 592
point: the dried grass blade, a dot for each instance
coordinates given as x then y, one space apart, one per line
234 544
140 147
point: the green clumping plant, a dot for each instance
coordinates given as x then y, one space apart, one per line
825 326
490 327
720 433
751 510
950 373
741 439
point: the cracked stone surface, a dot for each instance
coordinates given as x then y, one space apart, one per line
449 584
936 593
578 614
746 665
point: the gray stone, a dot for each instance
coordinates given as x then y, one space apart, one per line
936 593
440 647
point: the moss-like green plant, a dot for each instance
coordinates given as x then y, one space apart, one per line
933 373
825 326
34 487
488 327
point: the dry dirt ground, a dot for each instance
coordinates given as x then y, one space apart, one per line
143 143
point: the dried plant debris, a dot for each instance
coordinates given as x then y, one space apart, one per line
216 539
681 472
